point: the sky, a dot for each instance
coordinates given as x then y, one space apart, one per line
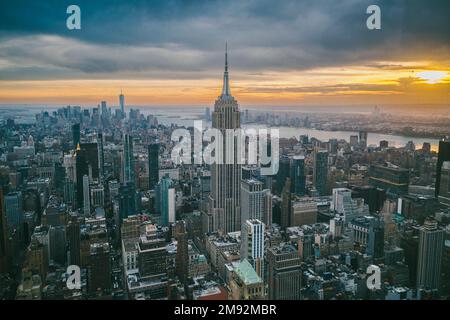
171 52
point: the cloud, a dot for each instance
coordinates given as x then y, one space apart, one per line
149 39
403 85
327 89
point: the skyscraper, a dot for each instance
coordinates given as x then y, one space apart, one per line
69 192
252 199
57 244
122 104
431 242
353 141
166 200
283 173
3 237
298 175
369 232
443 155
182 257
320 171
153 165
59 177
252 244
363 139
76 134
101 154
14 210
86 198
99 270
97 193
344 205
86 164
37 257
128 160
127 201
285 273
226 178
444 189
286 202
104 107
74 241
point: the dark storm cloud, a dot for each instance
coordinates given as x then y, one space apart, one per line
154 37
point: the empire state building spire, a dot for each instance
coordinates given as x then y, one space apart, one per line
226 85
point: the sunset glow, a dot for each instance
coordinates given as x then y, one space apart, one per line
432 77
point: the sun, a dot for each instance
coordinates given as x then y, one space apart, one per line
432 77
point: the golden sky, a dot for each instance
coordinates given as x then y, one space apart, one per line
393 83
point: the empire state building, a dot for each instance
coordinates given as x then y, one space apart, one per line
224 199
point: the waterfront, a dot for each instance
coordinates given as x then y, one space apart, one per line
185 116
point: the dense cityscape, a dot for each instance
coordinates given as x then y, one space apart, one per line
96 191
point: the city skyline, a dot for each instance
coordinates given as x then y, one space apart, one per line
318 167
289 54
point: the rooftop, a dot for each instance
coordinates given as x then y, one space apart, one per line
247 274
